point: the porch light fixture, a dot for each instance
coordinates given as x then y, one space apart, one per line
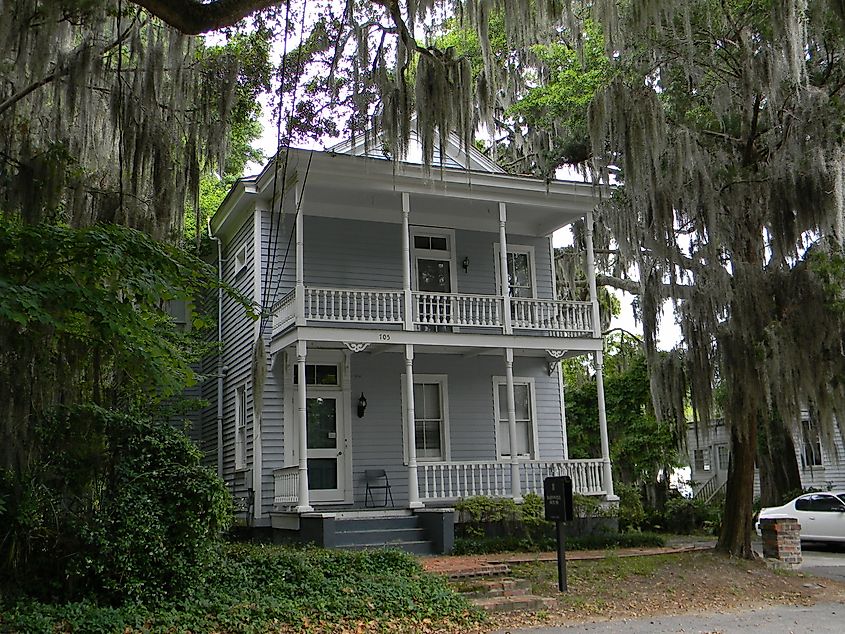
362 405
465 264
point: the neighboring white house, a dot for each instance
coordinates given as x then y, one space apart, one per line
394 340
709 453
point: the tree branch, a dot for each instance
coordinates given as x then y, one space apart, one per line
193 17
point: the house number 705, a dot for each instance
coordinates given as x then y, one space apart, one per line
383 336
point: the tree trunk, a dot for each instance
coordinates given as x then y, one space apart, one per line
735 537
780 478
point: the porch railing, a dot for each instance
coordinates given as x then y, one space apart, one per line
386 307
452 480
573 318
286 486
453 309
354 305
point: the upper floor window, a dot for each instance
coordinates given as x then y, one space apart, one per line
240 260
520 274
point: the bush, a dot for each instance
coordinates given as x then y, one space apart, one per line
631 511
686 515
117 508
600 541
252 588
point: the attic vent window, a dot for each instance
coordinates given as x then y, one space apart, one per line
240 260
432 243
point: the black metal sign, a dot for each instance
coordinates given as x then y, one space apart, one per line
557 496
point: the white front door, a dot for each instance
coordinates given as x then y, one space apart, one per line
326 446
327 424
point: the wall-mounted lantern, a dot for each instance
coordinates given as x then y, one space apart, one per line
362 406
465 264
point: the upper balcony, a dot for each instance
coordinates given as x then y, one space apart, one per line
451 312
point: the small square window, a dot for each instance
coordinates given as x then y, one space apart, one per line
422 242
439 244
240 259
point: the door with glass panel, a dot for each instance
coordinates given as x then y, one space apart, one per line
433 266
325 439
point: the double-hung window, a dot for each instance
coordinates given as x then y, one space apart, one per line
701 459
431 417
240 427
811 449
520 270
523 396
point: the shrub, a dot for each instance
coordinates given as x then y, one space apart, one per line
252 588
118 507
631 511
686 515
600 541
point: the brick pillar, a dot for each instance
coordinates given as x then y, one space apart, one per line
782 540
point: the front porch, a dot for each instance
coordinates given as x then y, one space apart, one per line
441 483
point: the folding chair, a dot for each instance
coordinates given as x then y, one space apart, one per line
377 480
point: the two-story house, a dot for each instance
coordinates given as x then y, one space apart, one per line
412 327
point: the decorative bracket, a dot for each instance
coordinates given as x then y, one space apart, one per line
355 346
556 356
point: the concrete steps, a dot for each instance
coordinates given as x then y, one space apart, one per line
402 532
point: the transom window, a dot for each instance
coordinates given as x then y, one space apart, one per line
524 413
317 374
431 243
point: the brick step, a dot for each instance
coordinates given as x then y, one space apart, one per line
488 589
529 603
483 570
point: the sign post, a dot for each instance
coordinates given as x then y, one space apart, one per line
557 498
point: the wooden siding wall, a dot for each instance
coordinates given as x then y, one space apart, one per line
237 353
377 438
830 474
354 253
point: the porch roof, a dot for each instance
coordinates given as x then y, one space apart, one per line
360 187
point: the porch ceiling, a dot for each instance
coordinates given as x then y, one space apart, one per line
344 186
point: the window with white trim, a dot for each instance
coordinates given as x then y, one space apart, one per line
240 259
522 280
811 448
523 396
240 427
431 417
701 459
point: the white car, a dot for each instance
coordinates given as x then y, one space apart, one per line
821 515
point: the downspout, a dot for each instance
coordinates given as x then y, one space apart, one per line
221 369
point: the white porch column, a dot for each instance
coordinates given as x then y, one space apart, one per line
607 473
304 505
406 261
410 430
560 385
516 485
503 265
300 257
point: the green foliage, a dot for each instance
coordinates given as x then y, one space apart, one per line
512 543
115 506
255 589
687 515
631 510
639 446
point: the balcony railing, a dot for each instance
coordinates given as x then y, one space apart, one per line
386 307
286 486
453 480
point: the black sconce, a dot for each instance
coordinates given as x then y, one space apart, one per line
465 264
362 405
